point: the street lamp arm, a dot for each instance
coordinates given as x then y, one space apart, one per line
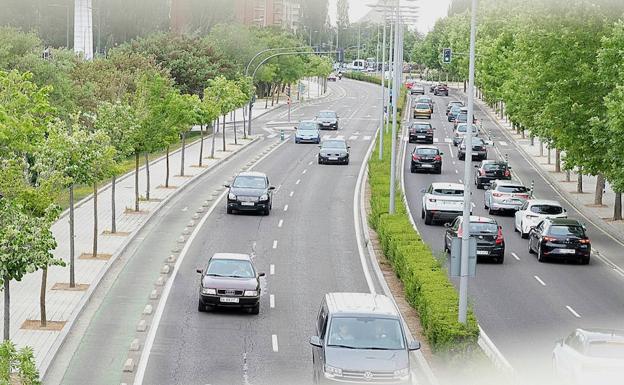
268 50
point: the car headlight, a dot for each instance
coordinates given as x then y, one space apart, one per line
251 293
401 373
333 371
208 291
264 197
232 196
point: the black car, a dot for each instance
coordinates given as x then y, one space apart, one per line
333 151
420 132
426 158
441 89
490 170
327 120
453 112
479 150
250 191
462 117
490 240
453 103
560 238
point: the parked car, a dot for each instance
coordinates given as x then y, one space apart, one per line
460 131
453 103
560 238
589 357
452 114
490 170
479 149
250 191
333 151
443 202
417 89
422 110
229 280
359 338
426 158
441 89
420 131
533 211
327 120
504 195
307 131
489 235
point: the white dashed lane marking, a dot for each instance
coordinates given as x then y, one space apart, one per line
286 208
538 279
577 315
275 244
272 269
274 342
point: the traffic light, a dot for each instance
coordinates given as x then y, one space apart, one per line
446 55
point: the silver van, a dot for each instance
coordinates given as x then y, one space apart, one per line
360 339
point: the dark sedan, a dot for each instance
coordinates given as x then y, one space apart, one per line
479 150
422 132
327 120
490 241
450 105
426 158
250 191
230 280
490 170
333 151
453 112
441 89
560 238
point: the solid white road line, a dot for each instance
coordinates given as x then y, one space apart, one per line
515 256
436 140
274 342
298 181
460 181
275 244
539 280
451 151
281 222
271 136
272 269
286 208
272 301
292 193
577 315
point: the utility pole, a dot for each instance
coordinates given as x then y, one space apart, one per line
465 249
395 102
383 89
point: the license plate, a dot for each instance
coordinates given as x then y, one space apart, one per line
247 203
332 158
482 252
427 166
228 299
513 201
421 136
567 251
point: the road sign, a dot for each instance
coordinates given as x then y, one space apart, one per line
447 53
456 257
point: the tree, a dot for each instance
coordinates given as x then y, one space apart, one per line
205 114
183 111
18 365
342 7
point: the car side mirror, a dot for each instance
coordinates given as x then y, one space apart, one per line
261 275
447 225
413 345
441 153
489 143
226 185
422 190
295 127
476 166
508 167
272 188
316 341
318 146
200 271
348 147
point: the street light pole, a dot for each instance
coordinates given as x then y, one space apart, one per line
383 90
465 249
395 102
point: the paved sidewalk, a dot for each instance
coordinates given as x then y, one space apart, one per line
63 306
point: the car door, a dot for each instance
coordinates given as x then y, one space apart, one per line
451 231
571 355
535 235
519 215
321 325
488 194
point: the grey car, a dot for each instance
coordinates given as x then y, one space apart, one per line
504 195
333 151
307 131
327 120
360 339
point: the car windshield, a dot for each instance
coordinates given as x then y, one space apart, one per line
422 126
307 126
547 209
249 182
366 333
448 191
327 114
475 142
454 110
512 189
463 127
567 231
230 268
422 106
606 349
483 227
334 144
462 117
427 151
494 166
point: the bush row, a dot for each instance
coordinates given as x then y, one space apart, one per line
427 286
363 77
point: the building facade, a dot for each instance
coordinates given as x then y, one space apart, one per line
267 13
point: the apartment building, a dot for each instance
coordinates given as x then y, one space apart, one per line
265 13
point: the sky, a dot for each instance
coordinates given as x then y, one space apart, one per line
429 12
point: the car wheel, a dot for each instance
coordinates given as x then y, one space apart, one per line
229 210
319 161
462 157
485 205
446 248
255 309
422 213
266 211
428 218
491 211
200 307
522 233
479 185
296 141
439 171
540 255
412 169
530 248
585 261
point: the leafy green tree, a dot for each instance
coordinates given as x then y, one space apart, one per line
205 114
18 365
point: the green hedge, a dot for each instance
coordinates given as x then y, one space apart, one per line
427 286
363 77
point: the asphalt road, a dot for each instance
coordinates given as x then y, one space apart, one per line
524 306
307 247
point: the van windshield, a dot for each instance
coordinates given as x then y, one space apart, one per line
366 333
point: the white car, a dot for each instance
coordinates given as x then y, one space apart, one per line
442 201
533 211
590 356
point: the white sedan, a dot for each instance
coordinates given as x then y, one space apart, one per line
533 211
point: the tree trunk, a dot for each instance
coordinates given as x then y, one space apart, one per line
167 169
223 133
113 208
214 136
579 181
234 119
266 100
464 86
136 180
245 122
541 147
600 186
548 153
42 297
7 309
568 176
95 220
617 207
532 138
279 86
182 154
273 91
201 144
147 177
72 245
557 160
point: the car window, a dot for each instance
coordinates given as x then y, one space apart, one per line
366 333
334 144
230 268
463 128
327 114
421 125
447 191
483 227
250 182
512 189
575 342
546 209
606 349
308 126
321 321
422 106
456 223
494 166
525 205
427 151
567 231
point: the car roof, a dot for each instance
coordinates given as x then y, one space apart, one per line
251 173
447 185
493 161
332 111
564 221
455 102
415 123
360 303
308 121
550 202
596 334
501 182
237 256
478 219
427 147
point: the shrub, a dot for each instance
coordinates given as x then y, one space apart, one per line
17 366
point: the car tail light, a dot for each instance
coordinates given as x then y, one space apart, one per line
497 194
525 196
584 241
460 232
429 131
532 216
507 173
415 157
550 239
499 236
437 157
